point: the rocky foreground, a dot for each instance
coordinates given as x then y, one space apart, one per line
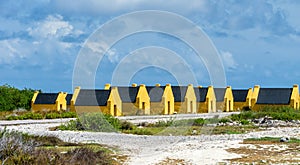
142 149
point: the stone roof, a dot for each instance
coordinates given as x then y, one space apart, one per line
274 95
179 93
128 94
155 93
91 97
46 98
240 95
69 98
200 94
219 93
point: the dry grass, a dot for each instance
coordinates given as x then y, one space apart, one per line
169 161
267 152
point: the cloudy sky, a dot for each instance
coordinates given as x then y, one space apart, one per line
258 41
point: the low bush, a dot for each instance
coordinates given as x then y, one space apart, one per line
36 116
97 122
277 113
245 122
19 148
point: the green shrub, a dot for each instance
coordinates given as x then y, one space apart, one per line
245 122
199 122
52 115
125 125
99 122
224 120
163 123
68 115
12 98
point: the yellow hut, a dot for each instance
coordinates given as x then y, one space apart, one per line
224 98
143 100
161 99
275 97
206 99
105 101
128 96
114 102
184 99
48 101
242 99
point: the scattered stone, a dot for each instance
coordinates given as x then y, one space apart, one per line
284 139
194 132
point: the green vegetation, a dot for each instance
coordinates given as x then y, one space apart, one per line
97 122
278 113
20 148
35 116
106 123
12 98
242 123
271 139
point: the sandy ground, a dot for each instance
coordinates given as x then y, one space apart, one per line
141 149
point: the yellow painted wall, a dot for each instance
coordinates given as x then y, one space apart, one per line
229 100
74 98
60 103
157 108
92 109
114 102
211 100
33 99
228 103
131 109
238 106
254 96
209 106
168 100
143 100
43 107
189 105
295 97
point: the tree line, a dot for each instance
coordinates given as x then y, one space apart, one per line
12 98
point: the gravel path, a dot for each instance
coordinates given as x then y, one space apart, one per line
142 149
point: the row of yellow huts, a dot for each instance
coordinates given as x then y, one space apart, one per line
157 100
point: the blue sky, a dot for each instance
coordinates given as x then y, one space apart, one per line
258 41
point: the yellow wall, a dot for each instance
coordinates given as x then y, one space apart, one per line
43 107
130 109
209 106
295 97
228 103
242 105
92 109
211 100
143 100
157 108
228 99
60 103
33 99
168 100
74 98
254 95
189 105
114 102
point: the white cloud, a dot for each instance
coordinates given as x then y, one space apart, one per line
52 26
10 51
228 60
95 7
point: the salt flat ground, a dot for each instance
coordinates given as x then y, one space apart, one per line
143 149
